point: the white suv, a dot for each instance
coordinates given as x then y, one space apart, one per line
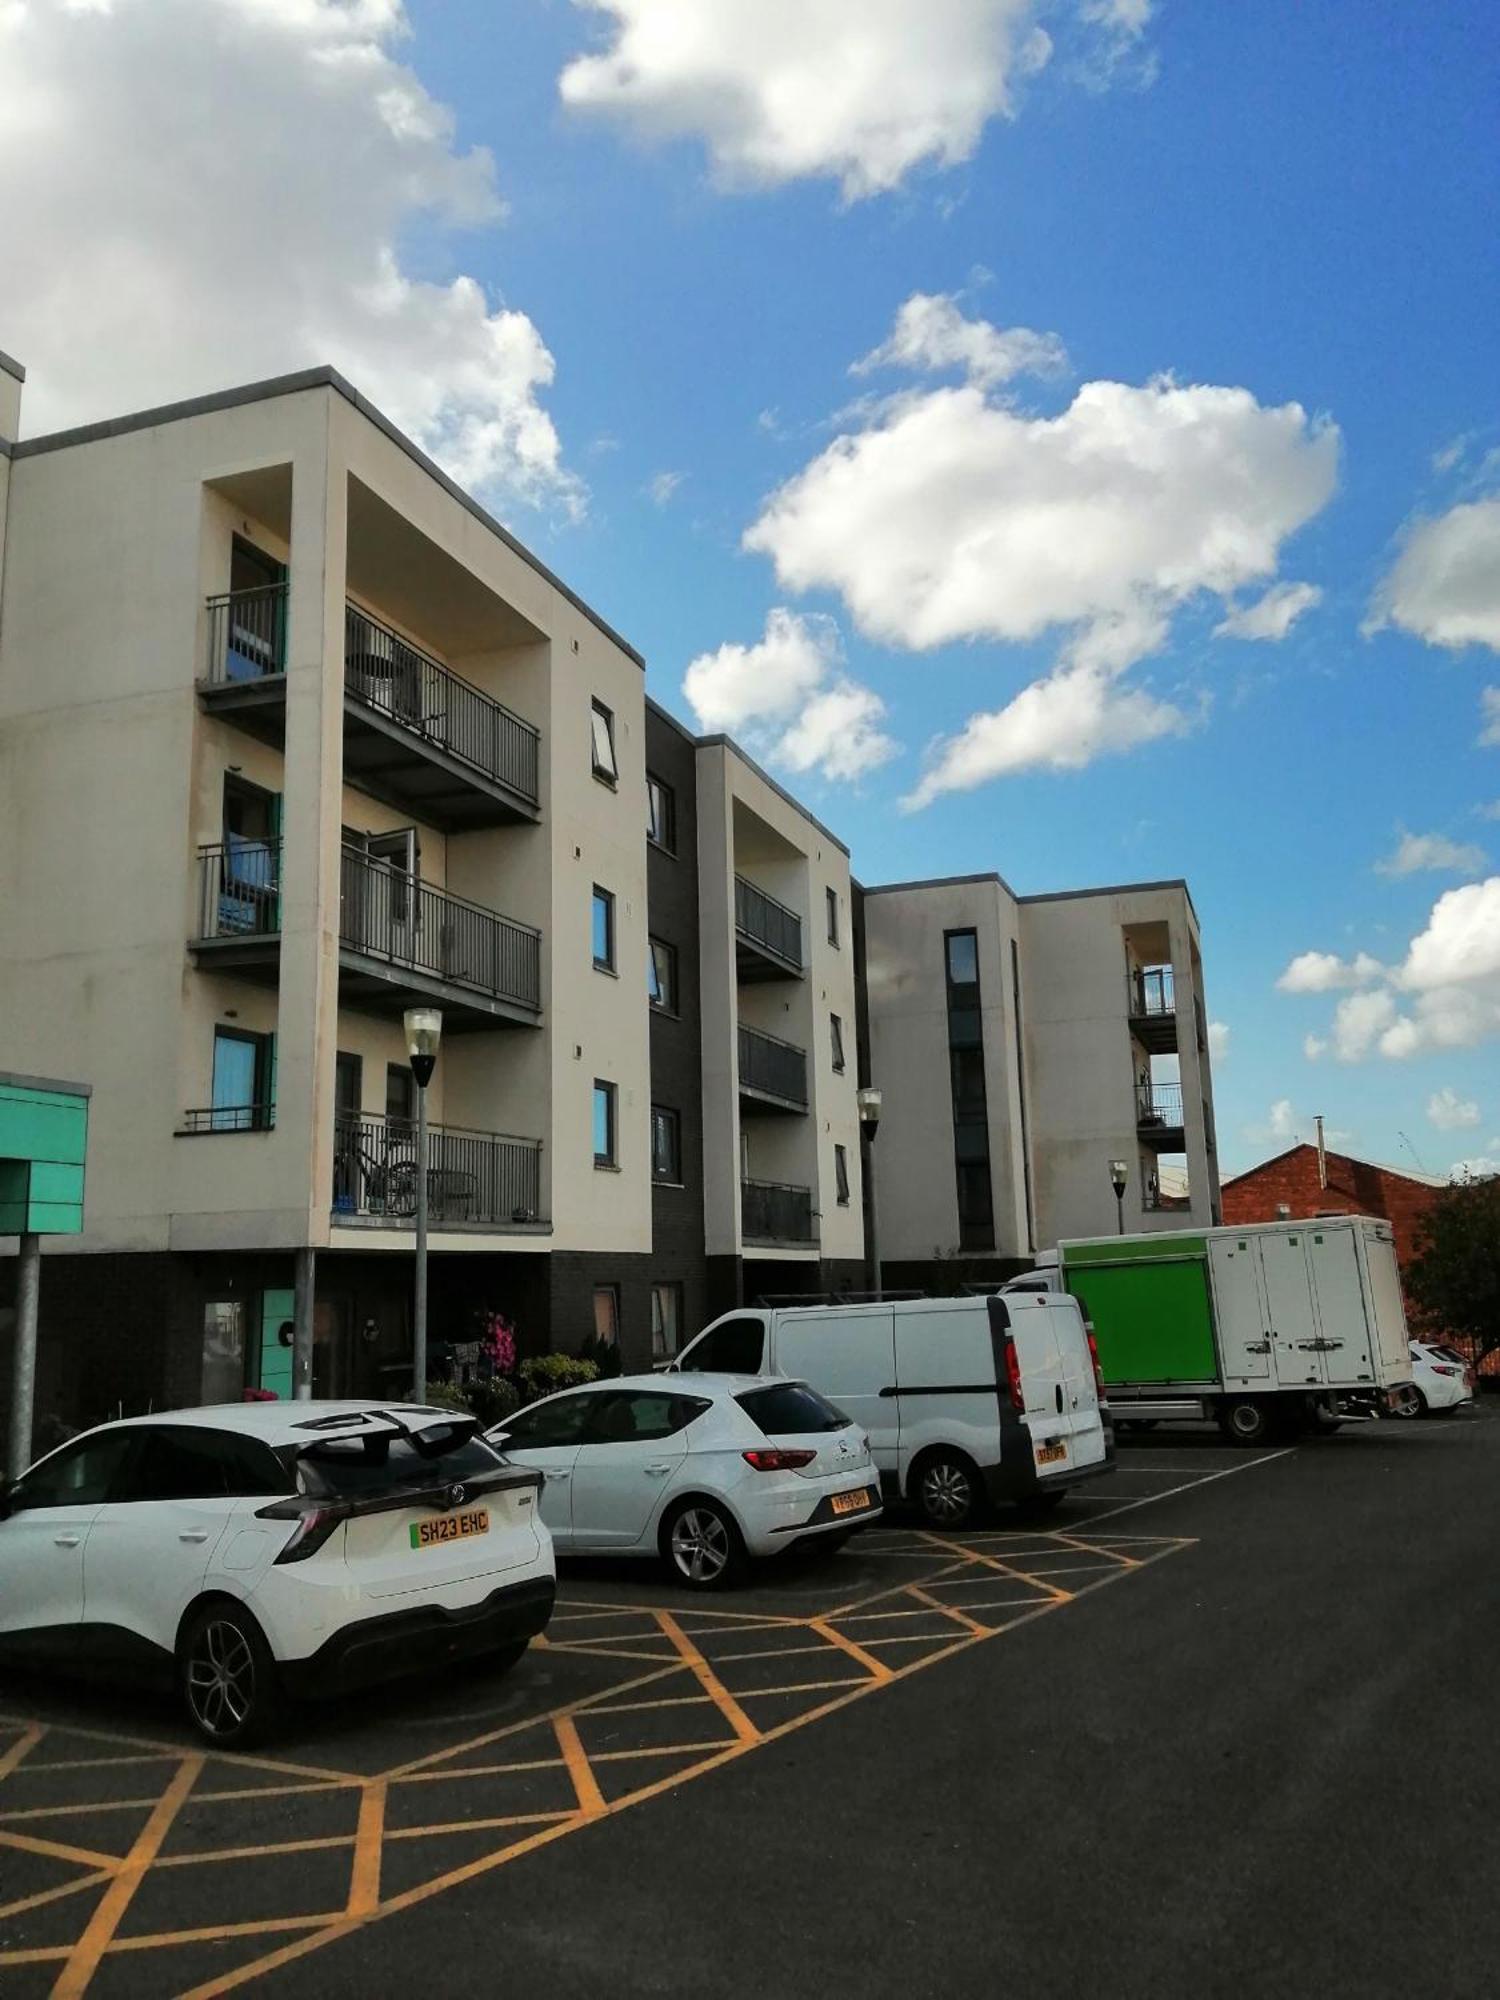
262 1548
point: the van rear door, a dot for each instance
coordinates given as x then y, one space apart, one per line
847 1355
1083 1425
1034 1328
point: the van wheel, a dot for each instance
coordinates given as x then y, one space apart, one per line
1245 1421
702 1545
227 1677
946 1488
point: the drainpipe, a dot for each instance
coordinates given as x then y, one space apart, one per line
1322 1153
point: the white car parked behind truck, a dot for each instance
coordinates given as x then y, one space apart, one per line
965 1400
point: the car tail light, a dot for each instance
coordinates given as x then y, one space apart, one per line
1442 1368
1094 1357
1013 1376
313 1525
778 1461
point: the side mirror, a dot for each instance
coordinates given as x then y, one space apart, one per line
498 1438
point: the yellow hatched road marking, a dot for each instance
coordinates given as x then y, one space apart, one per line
585 1784
57 1850
24 1744
709 1681
364 1875
25 1903
867 1660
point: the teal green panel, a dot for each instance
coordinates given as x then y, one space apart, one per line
55 1218
34 1127
50 1182
15 1190
275 1360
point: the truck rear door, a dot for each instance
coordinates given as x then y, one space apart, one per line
1389 1339
1343 1328
1295 1352
1239 1310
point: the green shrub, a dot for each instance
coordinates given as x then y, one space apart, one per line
544 1374
447 1396
493 1401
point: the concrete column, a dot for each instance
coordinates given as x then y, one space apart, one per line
303 1297
719 996
23 1370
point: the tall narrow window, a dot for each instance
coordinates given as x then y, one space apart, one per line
841 1175
241 1082
661 814
831 896
602 722
604 930
666 1321
604 1124
836 1030
661 976
971 1131
666 1144
607 1314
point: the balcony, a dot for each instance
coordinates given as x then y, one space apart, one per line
483 1180
767 935
1153 1008
1158 1116
774 1214
402 943
773 1073
416 734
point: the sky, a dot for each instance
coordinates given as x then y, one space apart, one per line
1055 436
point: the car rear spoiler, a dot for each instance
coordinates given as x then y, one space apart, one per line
444 1495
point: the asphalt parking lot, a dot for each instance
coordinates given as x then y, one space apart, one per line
902 1733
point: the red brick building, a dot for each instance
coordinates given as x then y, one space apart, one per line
1288 1188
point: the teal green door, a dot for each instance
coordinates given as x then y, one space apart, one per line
275 1360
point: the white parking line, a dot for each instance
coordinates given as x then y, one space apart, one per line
1151 1499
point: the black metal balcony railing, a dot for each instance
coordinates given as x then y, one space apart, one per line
229 1118
1158 1104
239 888
775 1212
247 634
391 675
772 1066
485 1177
1151 992
767 923
388 914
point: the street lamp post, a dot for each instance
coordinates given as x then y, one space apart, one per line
1119 1173
424 1031
869 1125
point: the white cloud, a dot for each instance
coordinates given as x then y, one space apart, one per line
1314 1046
1479 1168
1445 585
1489 718
931 333
1282 1121
1218 1041
1359 1021
221 190
782 90
1449 1112
1491 811
1272 615
1419 853
662 485
785 695
946 514
1326 972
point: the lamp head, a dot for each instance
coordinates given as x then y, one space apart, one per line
1119 1174
868 1101
424 1031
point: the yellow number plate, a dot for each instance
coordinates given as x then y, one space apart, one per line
1049 1454
851 1503
448 1528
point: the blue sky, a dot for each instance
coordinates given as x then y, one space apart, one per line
1284 205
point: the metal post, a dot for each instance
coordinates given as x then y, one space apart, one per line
419 1315
874 1218
1120 1208
23 1372
302 1323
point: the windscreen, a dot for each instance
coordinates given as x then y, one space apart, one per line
791 1409
345 1468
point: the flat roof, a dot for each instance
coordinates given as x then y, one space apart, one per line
723 742
323 377
1045 896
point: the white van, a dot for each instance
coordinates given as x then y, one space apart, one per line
965 1400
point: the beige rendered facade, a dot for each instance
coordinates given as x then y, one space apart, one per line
1021 1045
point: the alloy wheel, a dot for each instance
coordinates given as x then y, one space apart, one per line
700 1545
945 1492
221 1678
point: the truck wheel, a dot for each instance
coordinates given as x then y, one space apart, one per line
946 1488
1415 1407
1246 1420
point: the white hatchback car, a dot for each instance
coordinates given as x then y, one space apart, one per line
705 1471
261 1548
1442 1378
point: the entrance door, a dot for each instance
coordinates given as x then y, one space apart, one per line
1239 1308
1289 1302
248 903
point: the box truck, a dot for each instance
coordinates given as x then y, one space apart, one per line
1267 1327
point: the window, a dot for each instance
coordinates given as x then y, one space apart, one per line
661 976
638 1416
791 1409
832 898
223 1351
963 958
841 1174
836 1029
400 1097
196 1464
661 815
971 1132
242 1082
603 722
604 1123
731 1348
604 930
377 1462
546 1426
80 1475
607 1314
666 1321
666 1144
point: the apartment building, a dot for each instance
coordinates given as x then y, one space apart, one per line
294 736
1023 1044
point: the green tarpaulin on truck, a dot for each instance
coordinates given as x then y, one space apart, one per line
1150 1311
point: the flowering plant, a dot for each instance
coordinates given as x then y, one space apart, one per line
497 1342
